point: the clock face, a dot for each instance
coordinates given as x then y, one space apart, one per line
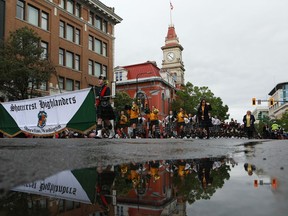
170 56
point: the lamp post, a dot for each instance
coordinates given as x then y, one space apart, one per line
139 74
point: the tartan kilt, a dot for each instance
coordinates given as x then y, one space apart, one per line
170 127
105 113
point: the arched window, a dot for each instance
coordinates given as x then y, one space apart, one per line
141 100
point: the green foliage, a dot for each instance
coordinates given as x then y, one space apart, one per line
122 99
265 120
122 186
21 65
190 97
283 121
190 188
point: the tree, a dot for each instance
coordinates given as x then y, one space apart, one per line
121 100
22 66
190 96
283 121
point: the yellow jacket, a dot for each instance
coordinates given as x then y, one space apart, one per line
153 116
134 112
181 116
123 120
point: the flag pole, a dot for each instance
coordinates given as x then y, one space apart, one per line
171 8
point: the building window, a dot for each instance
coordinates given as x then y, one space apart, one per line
90 67
69 59
61 82
20 12
77 62
104 70
43 86
70 6
90 42
78 10
33 15
97 69
77 85
174 76
69 85
77 36
62 4
44 46
104 26
44 20
69 33
62 29
98 22
97 46
91 15
61 57
118 76
104 49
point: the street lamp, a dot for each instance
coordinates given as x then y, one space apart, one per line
139 74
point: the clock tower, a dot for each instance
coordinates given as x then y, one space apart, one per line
172 57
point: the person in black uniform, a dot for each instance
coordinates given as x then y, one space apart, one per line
203 117
104 109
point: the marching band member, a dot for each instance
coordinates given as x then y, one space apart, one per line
154 121
134 114
169 121
181 115
104 109
123 124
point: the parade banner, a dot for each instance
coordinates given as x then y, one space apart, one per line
76 185
48 115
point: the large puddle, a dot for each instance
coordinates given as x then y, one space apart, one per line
198 186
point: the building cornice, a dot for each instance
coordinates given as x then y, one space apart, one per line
277 87
105 10
144 80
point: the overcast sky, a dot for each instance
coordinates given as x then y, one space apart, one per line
237 48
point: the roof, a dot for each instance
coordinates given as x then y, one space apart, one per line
277 87
105 10
171 39
142 70
171 33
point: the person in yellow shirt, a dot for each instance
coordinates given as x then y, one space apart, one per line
123 121
154 170
181 115
248 121
154 122
134 114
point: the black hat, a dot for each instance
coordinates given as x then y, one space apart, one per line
102 77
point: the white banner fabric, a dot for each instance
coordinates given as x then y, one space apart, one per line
46 115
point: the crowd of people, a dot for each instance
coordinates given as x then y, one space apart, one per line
131 122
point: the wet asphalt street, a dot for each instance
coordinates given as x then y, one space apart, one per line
26 160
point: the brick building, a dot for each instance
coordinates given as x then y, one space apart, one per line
147 83
150 84
77 37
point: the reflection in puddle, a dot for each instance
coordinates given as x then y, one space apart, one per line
171 187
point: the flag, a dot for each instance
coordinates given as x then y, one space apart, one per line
48 115
75 185
171 6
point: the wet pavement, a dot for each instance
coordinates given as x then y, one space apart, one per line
161 176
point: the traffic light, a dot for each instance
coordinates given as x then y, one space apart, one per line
253 101
271 101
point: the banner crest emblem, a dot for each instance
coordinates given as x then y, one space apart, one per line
42 117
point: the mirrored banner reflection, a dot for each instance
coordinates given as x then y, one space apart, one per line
158 187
